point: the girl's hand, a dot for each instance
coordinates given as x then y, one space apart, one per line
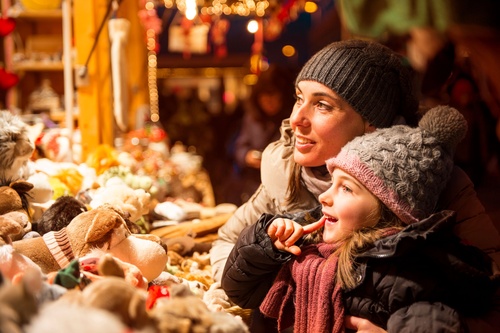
360 325
284 233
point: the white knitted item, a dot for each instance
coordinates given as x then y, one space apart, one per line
118 34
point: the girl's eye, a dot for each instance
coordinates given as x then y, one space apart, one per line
346 189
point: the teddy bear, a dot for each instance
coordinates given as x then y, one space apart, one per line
103 227
14 206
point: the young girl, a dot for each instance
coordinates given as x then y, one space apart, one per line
382 257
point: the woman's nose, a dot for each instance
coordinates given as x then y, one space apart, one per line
299 116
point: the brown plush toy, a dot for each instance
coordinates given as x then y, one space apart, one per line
102 228
14 205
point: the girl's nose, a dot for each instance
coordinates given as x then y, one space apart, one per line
326 198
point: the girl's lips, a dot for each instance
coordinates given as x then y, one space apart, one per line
329 219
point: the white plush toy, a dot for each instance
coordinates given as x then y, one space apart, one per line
118 194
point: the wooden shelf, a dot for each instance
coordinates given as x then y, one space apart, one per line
35 14
38 66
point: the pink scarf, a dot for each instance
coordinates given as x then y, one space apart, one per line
305 295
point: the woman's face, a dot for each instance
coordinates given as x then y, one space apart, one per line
347 206
322 123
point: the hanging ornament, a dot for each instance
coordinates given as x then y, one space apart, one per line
218 34
273 27
186 25
7 25
7 79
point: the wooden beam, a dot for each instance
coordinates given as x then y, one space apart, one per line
96 121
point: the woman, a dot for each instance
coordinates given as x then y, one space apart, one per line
382 256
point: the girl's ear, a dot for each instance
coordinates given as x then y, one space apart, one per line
369 127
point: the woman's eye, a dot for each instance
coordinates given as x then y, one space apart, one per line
323 106
298 99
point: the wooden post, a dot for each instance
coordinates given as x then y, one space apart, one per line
94 94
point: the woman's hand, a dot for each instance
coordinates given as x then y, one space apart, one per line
361 325
284 233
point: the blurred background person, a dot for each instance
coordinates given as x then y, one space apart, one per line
270 101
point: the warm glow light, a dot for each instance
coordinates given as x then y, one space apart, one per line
310 7
191 9
288 51
250 79
252 26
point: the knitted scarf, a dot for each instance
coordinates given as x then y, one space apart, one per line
305 294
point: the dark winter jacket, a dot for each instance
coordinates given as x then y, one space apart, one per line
419 280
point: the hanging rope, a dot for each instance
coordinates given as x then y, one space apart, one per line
113 6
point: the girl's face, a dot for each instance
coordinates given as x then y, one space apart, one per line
322 123
347 206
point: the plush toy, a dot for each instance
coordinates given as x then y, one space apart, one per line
63 316
103 227
118 194
18 303
16 148
98 265
59 214
14 205
185 312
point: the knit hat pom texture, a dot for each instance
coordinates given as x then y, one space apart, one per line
405 167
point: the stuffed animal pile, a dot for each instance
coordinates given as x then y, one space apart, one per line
77 254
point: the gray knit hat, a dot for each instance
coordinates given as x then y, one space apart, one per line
405 167
369 76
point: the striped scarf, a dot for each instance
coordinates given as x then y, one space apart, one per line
59 246
305 294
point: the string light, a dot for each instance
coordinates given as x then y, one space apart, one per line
151 40
221 7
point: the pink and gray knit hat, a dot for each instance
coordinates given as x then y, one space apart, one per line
405 167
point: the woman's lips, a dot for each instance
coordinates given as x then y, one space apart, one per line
303 144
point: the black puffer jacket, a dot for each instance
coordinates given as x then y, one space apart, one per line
419 280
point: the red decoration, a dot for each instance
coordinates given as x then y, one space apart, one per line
7 25
7 79
155 292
